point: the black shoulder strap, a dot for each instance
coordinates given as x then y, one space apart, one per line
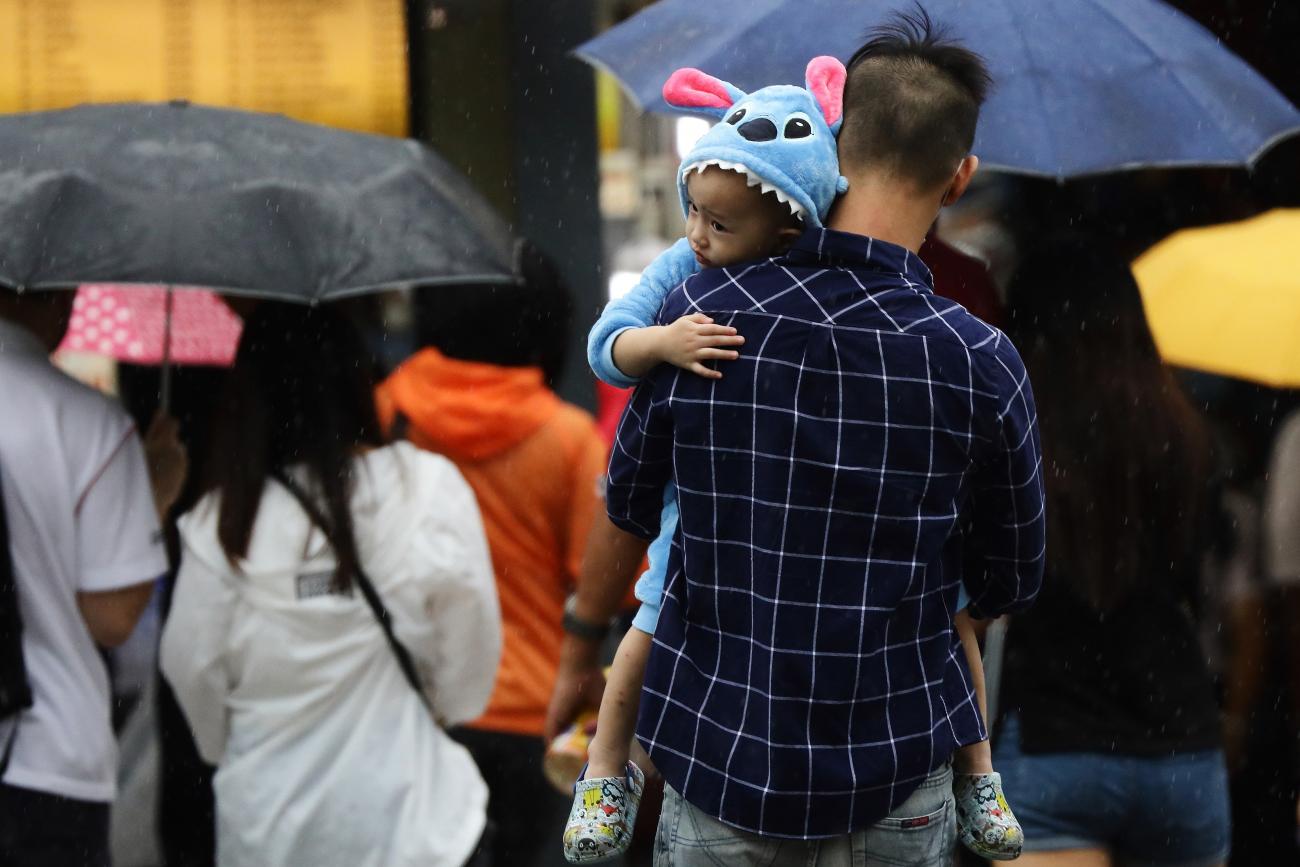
401 428
15 690
367 587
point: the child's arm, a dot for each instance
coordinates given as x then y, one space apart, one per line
686 343
625 344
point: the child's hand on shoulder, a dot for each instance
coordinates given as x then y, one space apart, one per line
694 339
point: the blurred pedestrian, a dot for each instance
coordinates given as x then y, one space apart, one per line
323 577
1282 550
1111 737
477 393
85 550
1282 504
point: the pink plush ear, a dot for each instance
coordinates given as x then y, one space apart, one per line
691 88
825 77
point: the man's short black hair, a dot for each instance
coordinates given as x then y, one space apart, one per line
912 101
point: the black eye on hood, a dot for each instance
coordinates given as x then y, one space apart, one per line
736 117
798 128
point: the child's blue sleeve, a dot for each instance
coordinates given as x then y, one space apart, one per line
637 309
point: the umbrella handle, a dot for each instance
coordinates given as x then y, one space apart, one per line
165 383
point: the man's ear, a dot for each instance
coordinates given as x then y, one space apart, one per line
961 180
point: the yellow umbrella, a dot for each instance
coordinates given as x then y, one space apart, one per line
1226 299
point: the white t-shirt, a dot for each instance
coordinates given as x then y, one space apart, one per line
81 519
327 758
1282 505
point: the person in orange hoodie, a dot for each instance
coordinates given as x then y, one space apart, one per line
478 393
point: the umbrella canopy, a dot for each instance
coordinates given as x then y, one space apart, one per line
1080 86
131 323
245 203
1226 299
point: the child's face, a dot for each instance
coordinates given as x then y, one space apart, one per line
730 221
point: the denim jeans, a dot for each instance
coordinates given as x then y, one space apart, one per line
688 837
1168 810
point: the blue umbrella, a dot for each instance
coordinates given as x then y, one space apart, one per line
1080 86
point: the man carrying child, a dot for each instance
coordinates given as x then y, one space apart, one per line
872 448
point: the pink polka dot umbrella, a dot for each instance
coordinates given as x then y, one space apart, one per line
131 324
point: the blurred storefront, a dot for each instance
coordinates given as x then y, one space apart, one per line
341 63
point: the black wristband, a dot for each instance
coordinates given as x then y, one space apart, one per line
580 628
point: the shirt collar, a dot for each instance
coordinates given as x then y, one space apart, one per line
829 247
17 340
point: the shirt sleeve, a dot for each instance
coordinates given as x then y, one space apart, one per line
462 605
119 543
192 655
637 309
641 464
1006 533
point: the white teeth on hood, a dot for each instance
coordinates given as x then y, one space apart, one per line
722 164
751 179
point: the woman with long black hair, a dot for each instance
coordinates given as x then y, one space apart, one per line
323 577
1111 737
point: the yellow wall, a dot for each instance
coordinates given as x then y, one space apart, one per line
337 62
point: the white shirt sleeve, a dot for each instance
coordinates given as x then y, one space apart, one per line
192 655
1282 506
462 603
119 543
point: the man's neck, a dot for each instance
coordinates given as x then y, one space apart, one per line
886 209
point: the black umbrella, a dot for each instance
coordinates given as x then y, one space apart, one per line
245 203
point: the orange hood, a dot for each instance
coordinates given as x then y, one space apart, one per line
466 410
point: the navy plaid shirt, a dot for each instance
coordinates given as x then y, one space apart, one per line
874 447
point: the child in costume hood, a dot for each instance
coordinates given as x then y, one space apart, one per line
749 188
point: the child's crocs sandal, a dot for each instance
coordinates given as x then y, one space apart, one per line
985 822
603 816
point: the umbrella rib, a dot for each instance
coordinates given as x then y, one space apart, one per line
1059 174
1271 141
1174 71
602 66
478 278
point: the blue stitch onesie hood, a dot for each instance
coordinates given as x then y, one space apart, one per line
782 138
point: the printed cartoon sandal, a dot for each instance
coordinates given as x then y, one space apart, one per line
603 816
985 822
